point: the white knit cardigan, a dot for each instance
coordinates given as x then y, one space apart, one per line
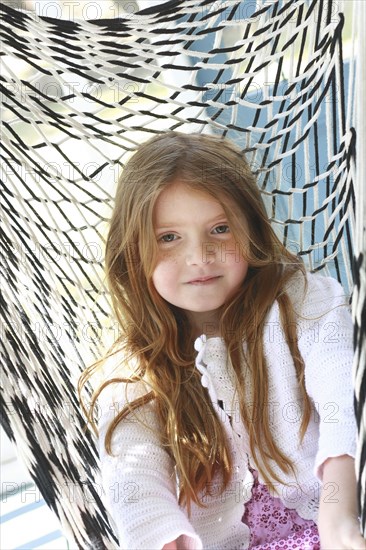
139 480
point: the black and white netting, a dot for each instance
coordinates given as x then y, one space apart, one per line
277 77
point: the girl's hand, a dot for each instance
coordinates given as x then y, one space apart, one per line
170 545
338 524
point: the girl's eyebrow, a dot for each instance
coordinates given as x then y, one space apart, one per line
165 225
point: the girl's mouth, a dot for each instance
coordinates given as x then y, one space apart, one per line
204 280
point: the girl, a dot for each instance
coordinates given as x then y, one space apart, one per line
227 406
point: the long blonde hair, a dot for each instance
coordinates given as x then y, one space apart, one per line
159 337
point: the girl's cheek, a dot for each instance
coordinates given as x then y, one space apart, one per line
168 256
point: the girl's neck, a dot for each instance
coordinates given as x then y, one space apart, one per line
208 325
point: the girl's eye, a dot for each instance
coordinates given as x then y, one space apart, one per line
221 229
168 238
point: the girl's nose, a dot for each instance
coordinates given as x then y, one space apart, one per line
201 254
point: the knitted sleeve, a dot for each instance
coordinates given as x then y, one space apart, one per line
326 344
139 481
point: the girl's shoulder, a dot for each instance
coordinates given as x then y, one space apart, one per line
314 294
120 386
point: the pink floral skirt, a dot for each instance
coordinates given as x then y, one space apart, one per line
275 527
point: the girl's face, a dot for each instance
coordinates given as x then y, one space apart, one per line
200 265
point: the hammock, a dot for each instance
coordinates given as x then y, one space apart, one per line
78 95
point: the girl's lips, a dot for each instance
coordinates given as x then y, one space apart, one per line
204 280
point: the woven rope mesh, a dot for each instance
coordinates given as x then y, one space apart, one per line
78 96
